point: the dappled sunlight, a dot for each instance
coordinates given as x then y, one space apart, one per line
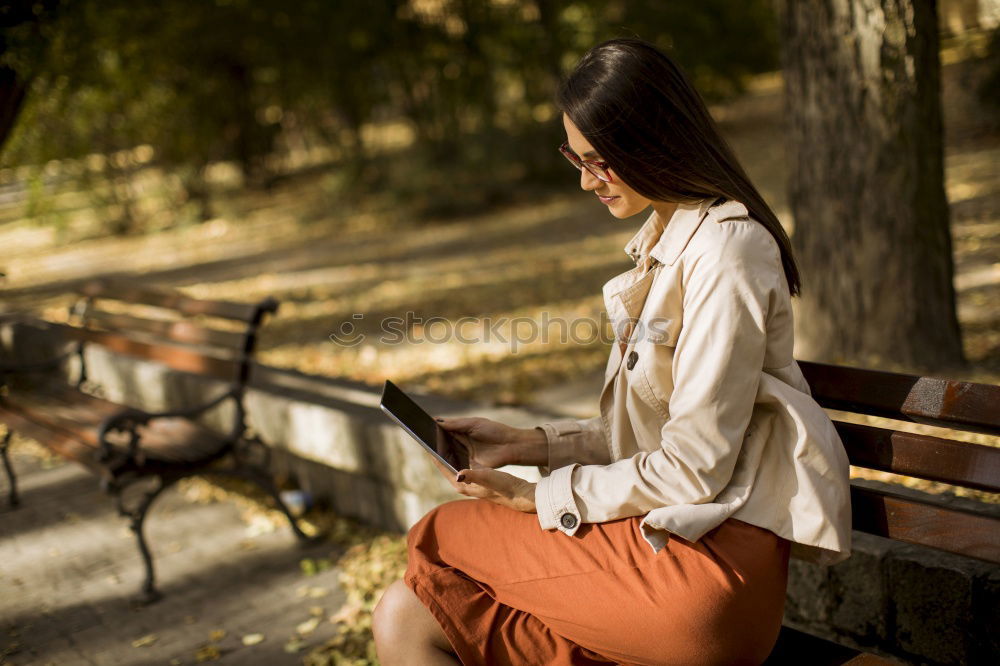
411 262
925 485
310 199
470 352
331 267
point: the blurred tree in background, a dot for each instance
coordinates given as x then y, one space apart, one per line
23 34
467 86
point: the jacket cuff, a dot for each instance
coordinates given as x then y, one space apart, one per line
576 441
554 501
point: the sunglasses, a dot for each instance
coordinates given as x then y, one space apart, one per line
599 168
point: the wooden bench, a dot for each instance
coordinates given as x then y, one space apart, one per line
135 453
929 521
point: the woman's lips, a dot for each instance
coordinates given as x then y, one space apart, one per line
606 200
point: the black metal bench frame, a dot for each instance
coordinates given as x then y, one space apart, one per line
121 460
923 520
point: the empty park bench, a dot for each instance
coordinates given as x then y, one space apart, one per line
138 454
915 518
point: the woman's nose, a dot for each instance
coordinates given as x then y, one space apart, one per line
589 181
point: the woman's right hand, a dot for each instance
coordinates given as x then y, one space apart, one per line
494 444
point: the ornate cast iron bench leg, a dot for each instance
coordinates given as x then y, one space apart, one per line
137 517
251 473
245 467
136 511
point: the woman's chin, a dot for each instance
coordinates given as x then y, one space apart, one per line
621 212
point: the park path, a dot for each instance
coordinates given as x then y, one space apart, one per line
69 567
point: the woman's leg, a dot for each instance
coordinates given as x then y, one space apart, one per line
507 593
406 632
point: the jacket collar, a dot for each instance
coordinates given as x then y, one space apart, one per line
664 241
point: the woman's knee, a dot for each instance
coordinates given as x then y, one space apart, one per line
400 619
389 614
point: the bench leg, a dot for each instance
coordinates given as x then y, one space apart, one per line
12 483
264 482
137 518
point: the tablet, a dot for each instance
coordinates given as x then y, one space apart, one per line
422 427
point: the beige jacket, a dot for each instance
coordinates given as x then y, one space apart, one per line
706 311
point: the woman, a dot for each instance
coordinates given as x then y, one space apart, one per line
661 530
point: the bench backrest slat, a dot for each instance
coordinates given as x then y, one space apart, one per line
165 325
936 520
177 358
133 292
941 402
895 516
924 456
178 331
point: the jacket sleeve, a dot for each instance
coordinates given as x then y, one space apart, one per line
581 441
717 363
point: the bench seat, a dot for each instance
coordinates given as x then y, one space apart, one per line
71 419
796 647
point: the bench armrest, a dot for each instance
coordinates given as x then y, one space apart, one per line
128 419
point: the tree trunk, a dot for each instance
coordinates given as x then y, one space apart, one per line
28 17
12 93
862 91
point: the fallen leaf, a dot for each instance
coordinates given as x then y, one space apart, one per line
307 627
294 645
348 612
148 639
217 634
253 639
207 653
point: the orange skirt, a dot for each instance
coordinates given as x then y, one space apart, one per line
507 592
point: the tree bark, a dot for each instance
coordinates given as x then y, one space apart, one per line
14 84
871 234
12 93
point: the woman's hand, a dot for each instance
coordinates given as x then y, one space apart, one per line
494 444
499 487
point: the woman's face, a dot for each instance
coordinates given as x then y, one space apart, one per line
620 199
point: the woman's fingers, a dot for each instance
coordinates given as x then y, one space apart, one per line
488 477
459 427
491 484
491 481
462 424
499 487
483 488
448 474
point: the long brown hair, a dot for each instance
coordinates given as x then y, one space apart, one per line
645 118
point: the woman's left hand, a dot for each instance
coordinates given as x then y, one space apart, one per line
488 483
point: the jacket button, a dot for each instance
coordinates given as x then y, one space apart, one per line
568 521
632 358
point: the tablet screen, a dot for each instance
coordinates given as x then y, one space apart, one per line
423 428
